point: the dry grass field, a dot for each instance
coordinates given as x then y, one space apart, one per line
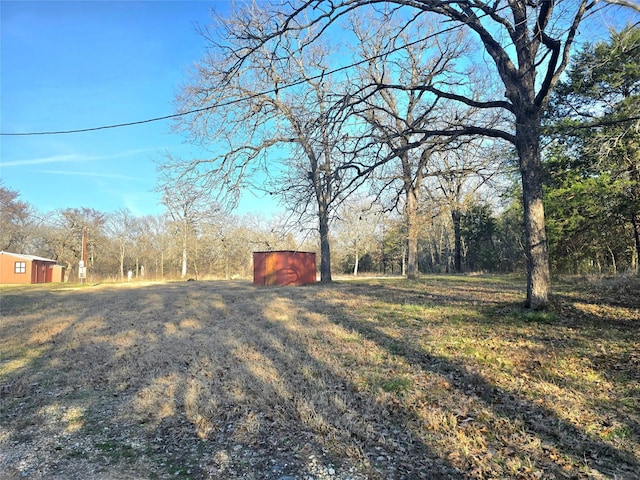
446 377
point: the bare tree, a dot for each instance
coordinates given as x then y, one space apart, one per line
358 226
16 218
460 173
250 121
119 226
148 244
187 203
62 240
153 240
395 114
528 46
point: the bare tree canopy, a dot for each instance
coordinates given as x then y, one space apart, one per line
280 141
187 203
15 219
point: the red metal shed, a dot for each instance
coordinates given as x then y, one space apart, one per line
284 267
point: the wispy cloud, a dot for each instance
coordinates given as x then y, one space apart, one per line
76 158
44 160
116 176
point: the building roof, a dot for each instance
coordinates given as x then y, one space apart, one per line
28 257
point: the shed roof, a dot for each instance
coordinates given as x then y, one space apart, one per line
282 251
28 257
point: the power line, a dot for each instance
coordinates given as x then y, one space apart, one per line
237 100
106 127
249 97
230 102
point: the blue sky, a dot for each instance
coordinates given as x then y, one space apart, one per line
73 65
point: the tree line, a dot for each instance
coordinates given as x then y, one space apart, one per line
213 243
151 246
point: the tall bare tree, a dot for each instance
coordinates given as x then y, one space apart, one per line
360 220
394 114
119 226
187 202
153 240
460 173
62 240
259 131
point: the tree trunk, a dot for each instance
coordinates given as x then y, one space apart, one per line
404 261
357 260
412 234
635 220
325 247
184 257
121 263
434 254
536 251
195 261
457 254
614 265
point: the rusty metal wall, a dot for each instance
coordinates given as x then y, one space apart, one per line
284 268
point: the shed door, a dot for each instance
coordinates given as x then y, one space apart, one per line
38 272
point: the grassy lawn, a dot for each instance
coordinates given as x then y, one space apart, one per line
446 377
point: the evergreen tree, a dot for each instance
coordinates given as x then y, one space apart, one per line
593 171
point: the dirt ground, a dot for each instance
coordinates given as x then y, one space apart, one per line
355 381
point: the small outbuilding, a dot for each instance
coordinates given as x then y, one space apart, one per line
19 268
284 267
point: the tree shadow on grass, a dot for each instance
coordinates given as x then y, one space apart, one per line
206 381
319 395
618 291
600 340
562 436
